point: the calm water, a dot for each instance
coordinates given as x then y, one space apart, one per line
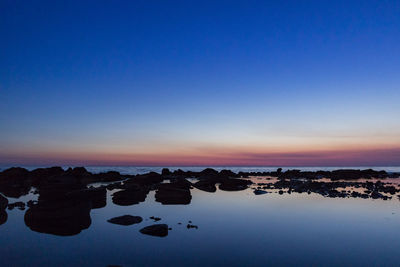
234 228
142 170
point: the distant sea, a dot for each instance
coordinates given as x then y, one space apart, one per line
142 170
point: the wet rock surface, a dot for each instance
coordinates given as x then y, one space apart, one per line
126 220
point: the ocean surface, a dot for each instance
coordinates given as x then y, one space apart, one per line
142 170
234 229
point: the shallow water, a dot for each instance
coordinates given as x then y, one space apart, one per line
234 228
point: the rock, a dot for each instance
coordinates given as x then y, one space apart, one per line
3 203
160 230
98 196
208 172
156 219
234 184
165 172
64 218
110 176
131 196
192 226
126 220
227 174
174 193
78 172
14 173
20 205
15 182
3 217
259 192
42 173
206 185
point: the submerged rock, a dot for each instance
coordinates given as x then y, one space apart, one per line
160 230
126 220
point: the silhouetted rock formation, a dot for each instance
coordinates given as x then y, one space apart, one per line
126 220
234 184
206 185
177 192
3 217
3 203
259 192
19 204
160 230
63 218
15 182
131 196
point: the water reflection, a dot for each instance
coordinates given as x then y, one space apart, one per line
66 198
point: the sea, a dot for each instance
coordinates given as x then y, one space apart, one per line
236 228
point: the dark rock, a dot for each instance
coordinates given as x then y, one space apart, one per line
110 176
3 217
78 172
42 173
15 182
3 203
191 226
165 172
208 172
62 218
259 192
20 205
126 220
156 219
227 174
14 173
160 230
206 185
234 184
174 193
98 196
131 196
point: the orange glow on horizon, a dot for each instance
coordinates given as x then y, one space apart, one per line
215 157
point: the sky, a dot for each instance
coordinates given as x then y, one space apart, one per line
174 83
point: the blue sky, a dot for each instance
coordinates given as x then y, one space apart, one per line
144 82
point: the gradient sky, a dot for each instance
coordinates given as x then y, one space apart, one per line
290 83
